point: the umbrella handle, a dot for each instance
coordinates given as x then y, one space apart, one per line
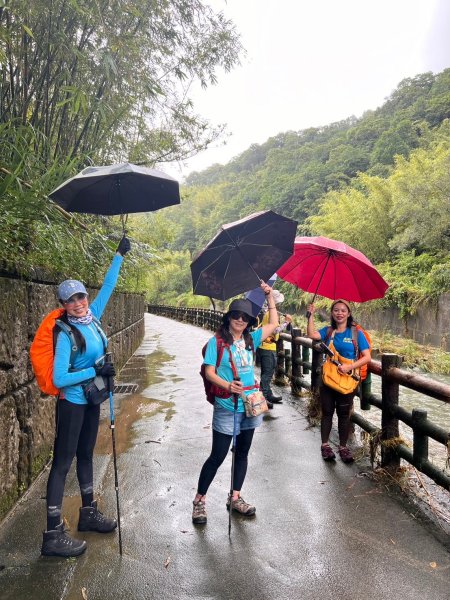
124 219
308 313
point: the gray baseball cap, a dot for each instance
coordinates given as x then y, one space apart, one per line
68 288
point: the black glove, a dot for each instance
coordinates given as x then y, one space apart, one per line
106 370
124 246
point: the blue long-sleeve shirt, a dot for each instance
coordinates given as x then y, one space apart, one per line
69 382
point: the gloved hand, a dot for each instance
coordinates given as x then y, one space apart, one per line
124 246
106 370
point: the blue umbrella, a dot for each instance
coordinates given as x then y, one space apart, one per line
257 298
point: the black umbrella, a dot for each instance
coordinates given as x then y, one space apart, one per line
117 190
242 253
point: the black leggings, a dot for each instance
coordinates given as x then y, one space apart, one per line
220 445
76 434
331 400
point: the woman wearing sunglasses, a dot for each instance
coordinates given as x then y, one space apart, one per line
76 420
241 344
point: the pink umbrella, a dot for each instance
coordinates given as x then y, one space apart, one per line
332 269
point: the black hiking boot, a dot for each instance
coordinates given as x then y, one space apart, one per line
91 519
56 542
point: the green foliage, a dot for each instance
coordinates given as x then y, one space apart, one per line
93 83
415 278
111 80
420 190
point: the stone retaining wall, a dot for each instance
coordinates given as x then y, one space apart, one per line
429 326
26 415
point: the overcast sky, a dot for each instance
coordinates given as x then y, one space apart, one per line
313 62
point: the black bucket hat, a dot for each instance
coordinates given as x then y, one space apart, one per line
244 306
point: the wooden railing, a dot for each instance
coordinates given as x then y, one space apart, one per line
302 358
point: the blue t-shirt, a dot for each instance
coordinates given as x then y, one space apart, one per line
246 371
343 342
69 382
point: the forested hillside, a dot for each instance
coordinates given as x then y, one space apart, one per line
380 183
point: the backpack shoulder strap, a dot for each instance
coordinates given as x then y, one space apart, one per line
102 334
355 340
221 345
329 336
69 332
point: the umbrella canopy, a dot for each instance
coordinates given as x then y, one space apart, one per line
332 269
242 253
116 190
257 297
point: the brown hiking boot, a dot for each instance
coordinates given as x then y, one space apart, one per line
241 506
199 513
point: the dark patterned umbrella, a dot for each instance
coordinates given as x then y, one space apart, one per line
242 254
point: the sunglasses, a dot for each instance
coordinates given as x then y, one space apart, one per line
76 298
236 315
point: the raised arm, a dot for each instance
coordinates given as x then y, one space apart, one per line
311 330
273 313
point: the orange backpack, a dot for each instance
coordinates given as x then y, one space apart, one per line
42 350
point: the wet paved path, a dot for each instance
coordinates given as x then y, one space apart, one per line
322 531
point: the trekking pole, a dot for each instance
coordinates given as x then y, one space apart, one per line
112 427
233 453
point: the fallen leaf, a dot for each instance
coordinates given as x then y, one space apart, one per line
84 593
433 565
167 563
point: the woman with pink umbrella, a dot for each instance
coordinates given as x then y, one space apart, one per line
335 270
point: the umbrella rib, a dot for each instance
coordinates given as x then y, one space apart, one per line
208 266
242 254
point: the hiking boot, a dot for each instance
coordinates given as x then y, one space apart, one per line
91 519
346 454
327 452
241 506
276 399
199 513
56 542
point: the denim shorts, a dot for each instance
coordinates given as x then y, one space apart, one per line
223 421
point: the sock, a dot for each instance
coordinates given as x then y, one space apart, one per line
87 499
53 517
53 522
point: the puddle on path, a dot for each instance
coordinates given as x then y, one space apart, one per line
145 371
